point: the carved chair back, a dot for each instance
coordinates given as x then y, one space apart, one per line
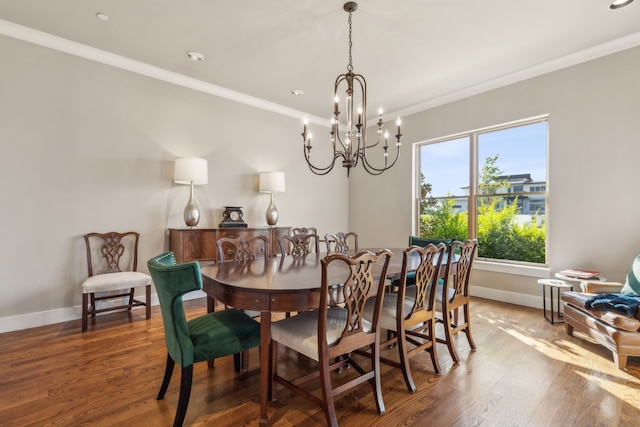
341 242
111 252
241 249
299 244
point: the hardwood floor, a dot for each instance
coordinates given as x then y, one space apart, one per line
525 372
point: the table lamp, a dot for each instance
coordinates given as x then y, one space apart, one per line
192 171
272 182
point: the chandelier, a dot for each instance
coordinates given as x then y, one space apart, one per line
352 146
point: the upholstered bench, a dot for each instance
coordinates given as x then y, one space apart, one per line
615 331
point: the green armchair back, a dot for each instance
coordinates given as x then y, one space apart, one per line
422 241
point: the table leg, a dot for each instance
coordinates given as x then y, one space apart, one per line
265 364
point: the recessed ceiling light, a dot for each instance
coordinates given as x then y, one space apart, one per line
102 16
617 4
297 92
195 56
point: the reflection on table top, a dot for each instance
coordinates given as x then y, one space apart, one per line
291 273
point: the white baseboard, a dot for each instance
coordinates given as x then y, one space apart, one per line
508 297
41 318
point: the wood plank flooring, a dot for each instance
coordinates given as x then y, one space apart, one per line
525 372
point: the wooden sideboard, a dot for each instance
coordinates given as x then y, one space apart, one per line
199 244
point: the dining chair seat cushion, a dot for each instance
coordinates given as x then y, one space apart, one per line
115 281
223 332
389 308
300 332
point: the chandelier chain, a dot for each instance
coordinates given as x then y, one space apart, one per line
350 66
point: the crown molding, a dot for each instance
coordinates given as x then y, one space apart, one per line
30 35
576 58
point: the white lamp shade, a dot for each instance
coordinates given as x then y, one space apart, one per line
272 182
191 170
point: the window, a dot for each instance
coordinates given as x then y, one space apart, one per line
488 184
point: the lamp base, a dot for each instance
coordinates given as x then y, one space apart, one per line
272 213
191 211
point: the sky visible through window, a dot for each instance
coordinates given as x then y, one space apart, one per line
521 150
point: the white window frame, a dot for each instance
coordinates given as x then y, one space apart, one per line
495 265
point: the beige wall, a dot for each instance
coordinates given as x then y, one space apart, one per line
594 148
88 147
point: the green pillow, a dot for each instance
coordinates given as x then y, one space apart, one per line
632 285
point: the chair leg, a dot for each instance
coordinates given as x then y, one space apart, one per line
273 367
185 394
148 301
167 377
467 329
449 338
404 360
85 314
327 393
377 384
432 350
131 292
93 304
237 362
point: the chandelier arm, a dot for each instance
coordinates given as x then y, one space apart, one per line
376 170
318 170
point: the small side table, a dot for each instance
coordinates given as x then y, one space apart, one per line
558 285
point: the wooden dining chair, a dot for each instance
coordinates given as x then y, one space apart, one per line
411 312
242 248
112 264
454 294
341 243
208 337
299 244
304 230
330 334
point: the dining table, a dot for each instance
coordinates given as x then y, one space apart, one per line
278 285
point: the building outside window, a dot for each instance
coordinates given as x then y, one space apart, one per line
488 184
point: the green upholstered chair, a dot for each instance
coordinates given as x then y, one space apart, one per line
420 241
207 337
423 241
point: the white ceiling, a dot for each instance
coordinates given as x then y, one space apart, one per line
413 53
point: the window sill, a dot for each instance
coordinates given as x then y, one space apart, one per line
520 270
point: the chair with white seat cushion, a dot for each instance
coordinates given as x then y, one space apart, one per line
333 333
112 263
454 294
411 312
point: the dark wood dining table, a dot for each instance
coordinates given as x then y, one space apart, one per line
274 285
